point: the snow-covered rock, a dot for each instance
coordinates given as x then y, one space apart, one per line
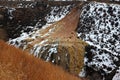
57 43
100 27
57 13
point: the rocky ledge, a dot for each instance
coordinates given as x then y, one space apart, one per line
57 43
100 27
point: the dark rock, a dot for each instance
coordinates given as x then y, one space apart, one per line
3 35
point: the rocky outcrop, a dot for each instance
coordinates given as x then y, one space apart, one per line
57 43
3 35
100 27
16 64
18 19
25 16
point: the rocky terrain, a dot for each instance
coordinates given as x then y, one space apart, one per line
99 26
57 43
55 33
16 20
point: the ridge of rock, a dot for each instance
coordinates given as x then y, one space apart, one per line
57 43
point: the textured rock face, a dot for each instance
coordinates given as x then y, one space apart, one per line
100 27
2 15
57 43
22 19
25 17
3 35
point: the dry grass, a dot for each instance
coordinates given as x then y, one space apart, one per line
64 34
75 50
18 65
63 30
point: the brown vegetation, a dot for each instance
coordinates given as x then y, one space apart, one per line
63 33
18 65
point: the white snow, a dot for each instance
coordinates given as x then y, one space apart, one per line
117 75
17 41
56 14
52 50
10 12
59 13
99 35
82 73
100 25
44 41
39 47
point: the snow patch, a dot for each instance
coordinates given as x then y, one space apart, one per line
82 73
100 28
57 13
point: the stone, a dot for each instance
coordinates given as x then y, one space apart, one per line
57 43
3 35
99 26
